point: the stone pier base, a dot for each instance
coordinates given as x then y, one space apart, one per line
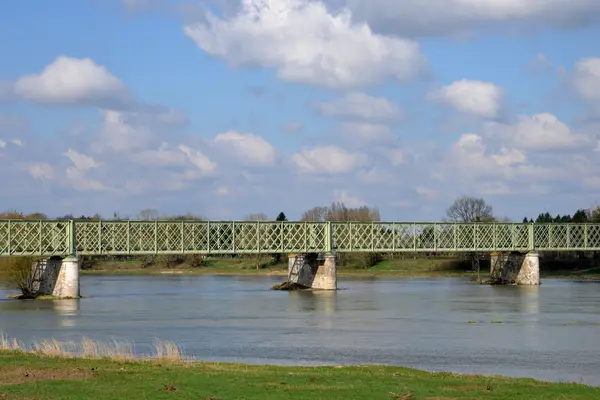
56 277
515 268
313 272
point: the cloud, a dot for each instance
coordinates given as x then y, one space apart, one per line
367 133
451 17
202 163
307 44
71 81
482 99
543 131
348 200
539 63
76 173
250 148
586 79
293 126
328 160
426 193
41 171
361 106
222 191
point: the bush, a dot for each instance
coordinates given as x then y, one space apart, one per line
147 261
170 260
17 273
194 260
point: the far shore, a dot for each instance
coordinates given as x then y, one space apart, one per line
399 268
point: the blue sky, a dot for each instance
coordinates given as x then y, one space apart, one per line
225 109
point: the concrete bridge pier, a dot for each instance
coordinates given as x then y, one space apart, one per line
312 271
515 268
56 276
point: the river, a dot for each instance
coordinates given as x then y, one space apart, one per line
549 332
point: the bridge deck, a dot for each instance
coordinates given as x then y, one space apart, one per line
47 238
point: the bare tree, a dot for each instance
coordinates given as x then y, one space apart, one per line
148 214
469 209
315 214
257 217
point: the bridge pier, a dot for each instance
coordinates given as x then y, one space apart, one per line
313 272
515 268
58 277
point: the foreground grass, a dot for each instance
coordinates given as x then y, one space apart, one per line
25 376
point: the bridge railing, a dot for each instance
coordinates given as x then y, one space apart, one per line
26 238
18 237
203 237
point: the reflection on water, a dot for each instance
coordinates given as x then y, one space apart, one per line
546 332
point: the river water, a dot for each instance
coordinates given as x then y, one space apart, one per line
549 332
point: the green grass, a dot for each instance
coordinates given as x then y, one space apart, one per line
27 376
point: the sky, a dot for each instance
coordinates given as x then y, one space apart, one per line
224 108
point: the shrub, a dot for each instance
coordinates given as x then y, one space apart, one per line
17 273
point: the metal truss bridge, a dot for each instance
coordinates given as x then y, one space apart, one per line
63 238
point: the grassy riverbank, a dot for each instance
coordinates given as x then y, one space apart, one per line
26 376
394 267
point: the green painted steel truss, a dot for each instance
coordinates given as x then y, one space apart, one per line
47 238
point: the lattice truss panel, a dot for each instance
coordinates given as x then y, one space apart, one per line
221 237
139 237
24 238
566 236
352 236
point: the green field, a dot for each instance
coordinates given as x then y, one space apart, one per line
27 376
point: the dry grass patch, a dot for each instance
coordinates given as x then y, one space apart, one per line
19 375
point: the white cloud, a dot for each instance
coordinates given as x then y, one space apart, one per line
366 132
482 99
444 17
203 164
539 63
70 80
542 131
426 193
81 161
357 105
250 148
327 159
41 171
222 191
597 150
396 157
586 78
77 172
307 44
161 157
2 144
348 200
507 157
16 142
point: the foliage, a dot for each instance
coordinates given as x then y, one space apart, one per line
281 217
17 273
469 209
